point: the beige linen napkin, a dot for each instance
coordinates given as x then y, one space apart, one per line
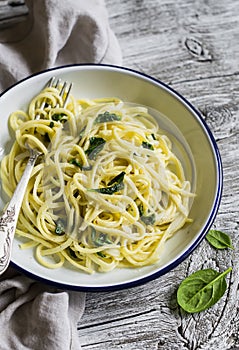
57 32
36 316
32 315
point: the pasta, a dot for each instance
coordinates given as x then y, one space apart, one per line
107 191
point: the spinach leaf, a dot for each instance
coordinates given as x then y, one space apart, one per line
147 145
219 240
153 137
74 161
60 227
72 253
148 219
110 190
107 117
86 168
141 209
101 254
96 145
80 165
117 185
117 179
59 117
99 238
201 290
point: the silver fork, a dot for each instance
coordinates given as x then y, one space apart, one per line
8 219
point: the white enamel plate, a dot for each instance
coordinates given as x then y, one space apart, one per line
193 143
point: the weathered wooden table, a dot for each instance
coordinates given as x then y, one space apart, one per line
194 47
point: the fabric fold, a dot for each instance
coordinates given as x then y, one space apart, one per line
57 33
37 316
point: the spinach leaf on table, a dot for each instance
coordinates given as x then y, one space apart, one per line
201 290
219 239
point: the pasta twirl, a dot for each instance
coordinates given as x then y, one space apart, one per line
107 190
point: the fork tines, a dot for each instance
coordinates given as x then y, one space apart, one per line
64 93
65 89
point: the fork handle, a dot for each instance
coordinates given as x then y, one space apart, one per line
8 219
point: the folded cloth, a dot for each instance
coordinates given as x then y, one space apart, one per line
33 315
57 33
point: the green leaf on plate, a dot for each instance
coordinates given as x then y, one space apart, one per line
115 185
147 145
96 145
117 179
107 117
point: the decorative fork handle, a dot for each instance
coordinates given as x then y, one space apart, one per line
8 220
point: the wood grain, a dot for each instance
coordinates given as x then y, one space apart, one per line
192 46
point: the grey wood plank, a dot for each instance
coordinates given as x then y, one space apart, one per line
193 46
